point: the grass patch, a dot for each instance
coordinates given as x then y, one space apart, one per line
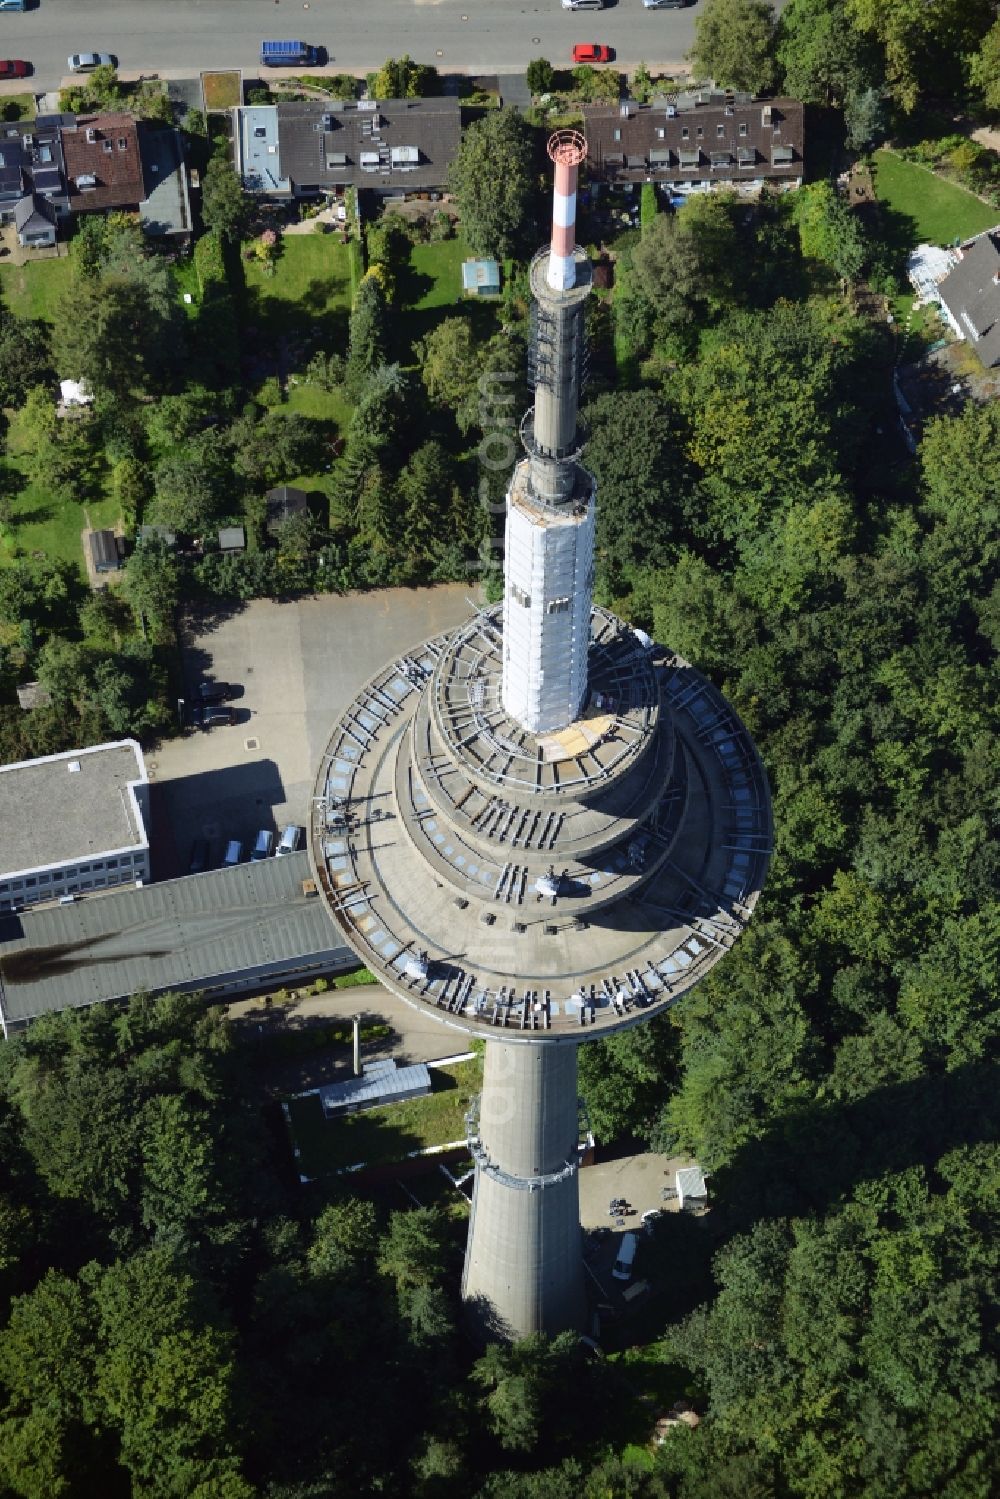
43 525
381 1136
938 212
33 290
222 89
430 289
17 107
307 300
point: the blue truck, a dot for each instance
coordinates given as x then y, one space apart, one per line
288 55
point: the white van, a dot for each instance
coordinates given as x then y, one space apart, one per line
264 846
626 1256
291 839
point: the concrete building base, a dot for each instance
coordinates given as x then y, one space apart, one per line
524 1261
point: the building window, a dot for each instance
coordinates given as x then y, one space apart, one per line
743 128
84 869
43 879
112 863
685 133
660 133
520 597
699 132
30 881
720 131
617 134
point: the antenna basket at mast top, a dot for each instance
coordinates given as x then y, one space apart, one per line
567 148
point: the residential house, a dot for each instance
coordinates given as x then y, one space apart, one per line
35 220
33 194
300 150
698 141
969 296
103 167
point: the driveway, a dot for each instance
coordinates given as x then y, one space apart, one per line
295 667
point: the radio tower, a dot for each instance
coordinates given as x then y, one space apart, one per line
540 828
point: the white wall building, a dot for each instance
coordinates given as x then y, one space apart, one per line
73 823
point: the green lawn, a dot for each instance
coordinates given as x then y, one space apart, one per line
42 525
380 1136
33 290
937 211
430 289
310 291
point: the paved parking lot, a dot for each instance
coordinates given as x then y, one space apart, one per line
296 665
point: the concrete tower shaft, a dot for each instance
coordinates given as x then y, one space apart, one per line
523 1262
550 505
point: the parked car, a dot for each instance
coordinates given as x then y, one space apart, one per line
264 846
86 62
664 4
215 692
291 839
199 856
216 717
13 4
592 52
14 69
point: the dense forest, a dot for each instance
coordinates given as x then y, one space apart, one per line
178 1317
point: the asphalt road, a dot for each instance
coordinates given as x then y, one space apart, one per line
180 37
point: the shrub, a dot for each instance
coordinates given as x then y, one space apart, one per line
209 261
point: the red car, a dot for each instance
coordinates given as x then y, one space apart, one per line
592 52
14 69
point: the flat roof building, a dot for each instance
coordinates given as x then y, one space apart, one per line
303 148
222 933
73 823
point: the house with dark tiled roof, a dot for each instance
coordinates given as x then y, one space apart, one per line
103 166
302 149
698 141
970 296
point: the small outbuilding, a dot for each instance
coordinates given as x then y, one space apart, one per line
692 1191
104 551
481 278
232 539
283 502
380 1083
156 533
33 695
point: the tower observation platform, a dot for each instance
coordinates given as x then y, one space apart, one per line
540 828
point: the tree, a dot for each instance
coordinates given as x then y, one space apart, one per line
865 118
685 266
823 56
540 76
519 1381
191 487
412 1251
642 482
829 231
924 44
368 335
733 44
402 78
223 205
449 369
25 356
984 69
152 584
494 181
